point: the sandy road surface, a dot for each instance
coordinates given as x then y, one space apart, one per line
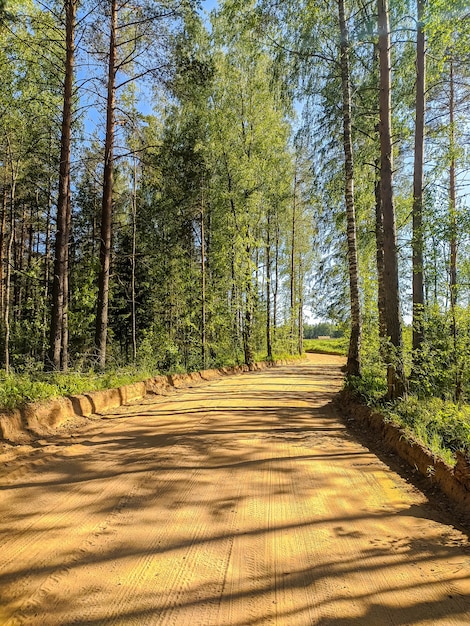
241 502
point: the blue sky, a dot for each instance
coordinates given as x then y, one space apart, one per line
208 5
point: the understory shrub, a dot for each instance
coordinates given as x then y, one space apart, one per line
441 425
16 390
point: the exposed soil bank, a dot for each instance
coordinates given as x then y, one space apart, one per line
453 481
39 419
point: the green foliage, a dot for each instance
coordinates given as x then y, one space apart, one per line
371 387
445 356
222 180
313 331
18 389
440 425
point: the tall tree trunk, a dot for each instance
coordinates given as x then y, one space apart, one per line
452 193
6 318
276 275
418 184
3 223
133 262
247 332
9 259
269 341
47 253
292 269
203 288
379 239
354 359
453 233
300 316
19 266
64 357
395 374
107 200
62 230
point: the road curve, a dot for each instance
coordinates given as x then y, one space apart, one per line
241 502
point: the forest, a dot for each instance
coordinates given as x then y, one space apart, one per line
187 184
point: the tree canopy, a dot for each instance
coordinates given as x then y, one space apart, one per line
184 189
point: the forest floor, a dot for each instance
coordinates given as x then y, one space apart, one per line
245 501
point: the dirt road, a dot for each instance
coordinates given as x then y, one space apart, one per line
242 502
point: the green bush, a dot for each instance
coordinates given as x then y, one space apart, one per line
16 390
439 423
371 387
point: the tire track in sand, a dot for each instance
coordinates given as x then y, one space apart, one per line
243 503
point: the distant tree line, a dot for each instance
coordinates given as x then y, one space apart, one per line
322 329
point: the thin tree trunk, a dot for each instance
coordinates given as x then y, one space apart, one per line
64 357
31 236
2 239
292 268
234 304
276 276
9 260
300 323
395 374
6 318
452 194
269 343
418 184
453 233
20 252
62 230
247 333
107 200
47 252
133 260
354 359
203 289
379 238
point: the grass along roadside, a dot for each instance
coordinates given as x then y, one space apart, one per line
17 390
440 425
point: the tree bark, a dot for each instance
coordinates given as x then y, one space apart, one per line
452 194
203 289
64 357
18 278
300 313
269 343
6 318
395 375
453 234
379 239
248 327
47 260
292 270
9 263
3 223
276 276
107 200
418 184
133 262
353 366
62 230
